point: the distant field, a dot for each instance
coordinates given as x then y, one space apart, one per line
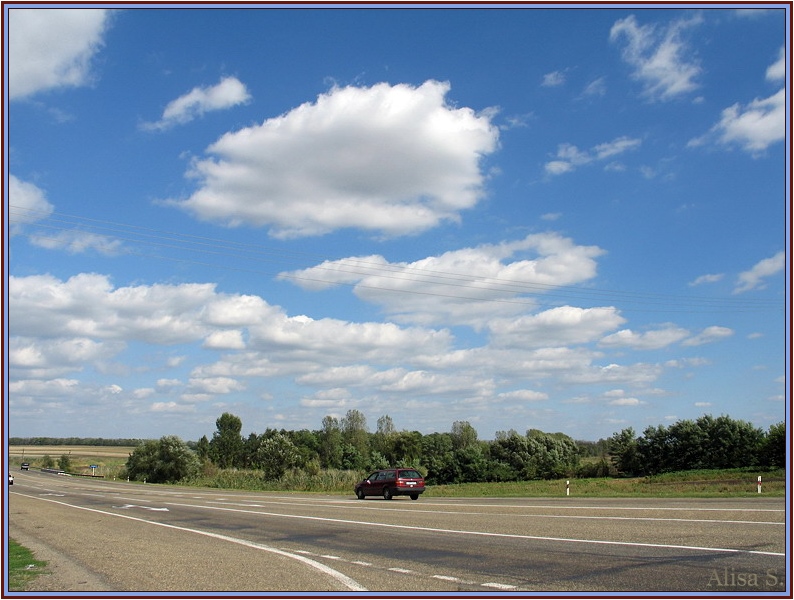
33 452
109 460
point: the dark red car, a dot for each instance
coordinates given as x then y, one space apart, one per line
392 482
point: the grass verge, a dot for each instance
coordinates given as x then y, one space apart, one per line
722 483
22 566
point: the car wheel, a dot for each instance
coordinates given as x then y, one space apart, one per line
360 494
387 494
414 496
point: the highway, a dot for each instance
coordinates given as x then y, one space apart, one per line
148 538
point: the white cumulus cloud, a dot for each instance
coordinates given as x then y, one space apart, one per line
389 159
51 48
464 286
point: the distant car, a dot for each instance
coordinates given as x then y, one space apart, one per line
391 482
10 479
25 466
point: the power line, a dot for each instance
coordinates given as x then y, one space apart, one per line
458 285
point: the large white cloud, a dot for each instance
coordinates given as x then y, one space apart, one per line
50 48
66 333
391 159
558 326
466 286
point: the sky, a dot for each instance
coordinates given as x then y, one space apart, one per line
571 219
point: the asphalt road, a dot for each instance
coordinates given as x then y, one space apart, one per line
149 538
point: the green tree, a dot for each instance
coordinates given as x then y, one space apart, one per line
276 455
226 445
772 452
383 441
624 453
463 435
355 437
330 441
438 458
203 448
166 460
65 463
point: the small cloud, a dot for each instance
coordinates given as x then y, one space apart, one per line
524 396
551 216
754 278
659 56
777 70
709 278
553 79
27 203
703 404
570 157
229 92
77 242
708 335
754 127
650 340
625 402
597 87
757 125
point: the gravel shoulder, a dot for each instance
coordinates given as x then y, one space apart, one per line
90 551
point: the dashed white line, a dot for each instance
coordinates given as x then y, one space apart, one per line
445 577
499 586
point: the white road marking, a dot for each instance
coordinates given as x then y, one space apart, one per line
125 506
490 534
343 579
499 586
261 504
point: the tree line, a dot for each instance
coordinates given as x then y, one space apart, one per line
459 456
72 441
705 443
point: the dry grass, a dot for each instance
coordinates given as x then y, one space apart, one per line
109 460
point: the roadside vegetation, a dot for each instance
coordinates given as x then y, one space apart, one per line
22 566
708 456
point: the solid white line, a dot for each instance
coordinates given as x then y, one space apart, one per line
486 533
339 577
542 516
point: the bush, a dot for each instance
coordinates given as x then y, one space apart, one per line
165 461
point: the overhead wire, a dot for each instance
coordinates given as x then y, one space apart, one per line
490 289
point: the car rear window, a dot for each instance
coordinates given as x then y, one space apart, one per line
410 475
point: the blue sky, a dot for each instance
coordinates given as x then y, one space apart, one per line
567 219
